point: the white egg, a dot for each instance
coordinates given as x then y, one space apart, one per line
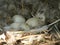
33 22
15 26
25 27
18 19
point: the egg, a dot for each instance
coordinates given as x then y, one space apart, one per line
25 27
15 26
18 19
33 22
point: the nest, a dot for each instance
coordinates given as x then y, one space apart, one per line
28 9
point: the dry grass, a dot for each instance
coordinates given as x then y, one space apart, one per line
48 39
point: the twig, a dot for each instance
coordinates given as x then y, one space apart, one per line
57 31
25 37
54 22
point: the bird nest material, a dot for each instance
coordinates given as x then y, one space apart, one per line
22 38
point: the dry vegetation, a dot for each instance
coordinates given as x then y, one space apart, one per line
29 39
